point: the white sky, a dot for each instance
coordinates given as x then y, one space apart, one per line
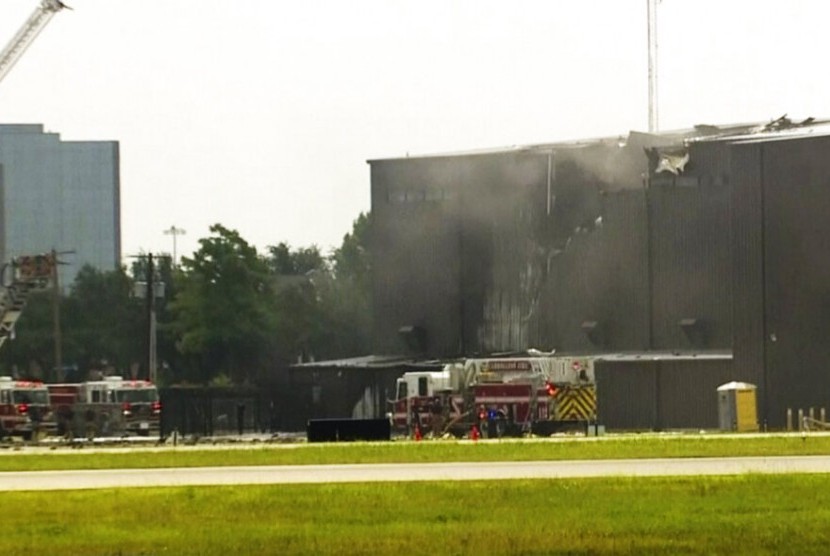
261 114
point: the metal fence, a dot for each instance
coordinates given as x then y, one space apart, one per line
210 411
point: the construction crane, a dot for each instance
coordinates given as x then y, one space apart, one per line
28 33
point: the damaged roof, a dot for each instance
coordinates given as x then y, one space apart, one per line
779 128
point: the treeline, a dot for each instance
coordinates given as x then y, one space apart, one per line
228 314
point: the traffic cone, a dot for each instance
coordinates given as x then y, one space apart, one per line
418 435
474 434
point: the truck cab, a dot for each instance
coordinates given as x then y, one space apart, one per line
419 397
130 406
24 408
112 406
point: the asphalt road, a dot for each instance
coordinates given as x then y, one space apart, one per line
288 474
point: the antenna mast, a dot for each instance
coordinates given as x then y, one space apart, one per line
652 66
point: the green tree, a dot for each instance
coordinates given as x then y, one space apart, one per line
347 294
283 261
295 275
30 351
323 302
224 314
100 321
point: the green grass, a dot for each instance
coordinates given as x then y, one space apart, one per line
748 514
433 451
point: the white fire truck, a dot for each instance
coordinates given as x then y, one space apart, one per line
497 396
24 409
113 406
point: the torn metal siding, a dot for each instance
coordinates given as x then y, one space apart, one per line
600 278
454 250
596 298
689 223
509 273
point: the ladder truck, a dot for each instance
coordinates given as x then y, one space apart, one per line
498 396
44 12
20 278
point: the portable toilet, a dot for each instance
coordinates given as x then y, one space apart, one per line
738 407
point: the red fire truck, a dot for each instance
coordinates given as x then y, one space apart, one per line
109 407
24 408
499 396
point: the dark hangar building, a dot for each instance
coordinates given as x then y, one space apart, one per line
682 260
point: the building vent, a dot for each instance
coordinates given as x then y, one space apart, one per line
695 331
595 332
414 337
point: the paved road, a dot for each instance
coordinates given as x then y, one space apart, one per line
286 474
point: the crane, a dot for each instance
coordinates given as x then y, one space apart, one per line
30 30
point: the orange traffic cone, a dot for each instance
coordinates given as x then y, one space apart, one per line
418 435
474 434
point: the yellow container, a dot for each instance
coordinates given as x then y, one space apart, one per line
738 407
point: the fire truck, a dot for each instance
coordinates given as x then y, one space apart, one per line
497 396
112 406
24 409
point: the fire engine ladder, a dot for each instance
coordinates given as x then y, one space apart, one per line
28 33
29 273
12 302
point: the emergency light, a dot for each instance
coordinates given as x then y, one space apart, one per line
551 389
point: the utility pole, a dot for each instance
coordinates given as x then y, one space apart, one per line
151 320
56 309
175 232
652 66
149 290
56 318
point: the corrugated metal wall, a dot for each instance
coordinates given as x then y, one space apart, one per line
443 222
627 395
748 267
600 277
796 175
465 247
689 225
660 395
415 241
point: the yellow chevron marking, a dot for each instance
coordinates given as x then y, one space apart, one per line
578 403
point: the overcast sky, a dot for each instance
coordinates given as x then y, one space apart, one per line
260 114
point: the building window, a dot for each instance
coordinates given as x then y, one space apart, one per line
423 389
418 195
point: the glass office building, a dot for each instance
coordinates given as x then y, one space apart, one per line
61 195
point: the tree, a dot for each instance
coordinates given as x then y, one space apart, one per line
284 262
347 296
99 322
295 274
102 320
224 314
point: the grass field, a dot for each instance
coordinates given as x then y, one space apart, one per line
433 451
750 514
747 514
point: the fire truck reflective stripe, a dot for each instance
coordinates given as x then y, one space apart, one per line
577 404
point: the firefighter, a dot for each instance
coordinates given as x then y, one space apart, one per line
482 421
437 417
492 425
